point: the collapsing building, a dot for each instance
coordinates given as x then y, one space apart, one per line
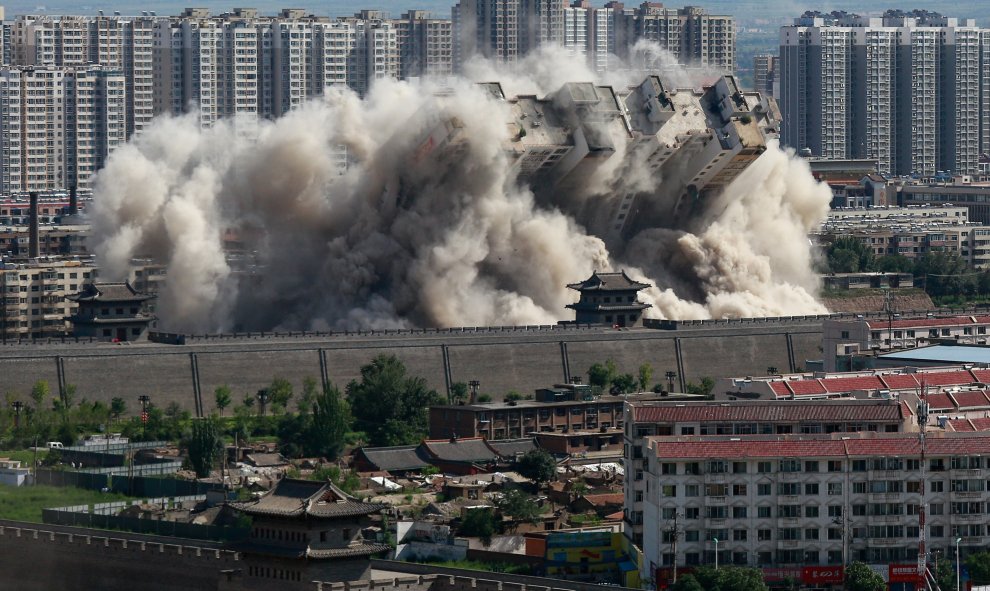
675 146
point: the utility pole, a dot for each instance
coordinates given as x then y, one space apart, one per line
670 375
922 412
673 549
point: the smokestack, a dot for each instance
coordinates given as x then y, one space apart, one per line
73 201
33 247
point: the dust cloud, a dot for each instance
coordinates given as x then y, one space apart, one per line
262 226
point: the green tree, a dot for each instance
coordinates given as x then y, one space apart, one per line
391 406
279 394
945 274
458 392
979 568
848 254
602 374
308 396
704 387
894 263
624 384
512 397
222 397
329 423
519 506
730 578
117 408
40 392
687 583
860 577
645 377
945 574
537 465
204 446
478 523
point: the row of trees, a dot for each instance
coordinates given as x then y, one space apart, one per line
607 378
944 275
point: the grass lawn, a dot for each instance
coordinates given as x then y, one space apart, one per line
26 456
24 503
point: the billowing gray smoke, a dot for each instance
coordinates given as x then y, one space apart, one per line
414 235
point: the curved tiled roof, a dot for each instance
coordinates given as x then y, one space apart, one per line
469 449
294 498
398 458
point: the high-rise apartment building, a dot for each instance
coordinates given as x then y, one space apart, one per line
57 125
764 74
426 45
691 34
505 30
908 90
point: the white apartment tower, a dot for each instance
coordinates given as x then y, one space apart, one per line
907 89
86 103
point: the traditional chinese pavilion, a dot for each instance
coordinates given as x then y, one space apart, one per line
306 531
110 311
609 298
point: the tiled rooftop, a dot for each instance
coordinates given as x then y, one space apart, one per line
772 411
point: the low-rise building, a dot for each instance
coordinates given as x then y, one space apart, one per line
812 500
33 303
524 418
649 419
843 338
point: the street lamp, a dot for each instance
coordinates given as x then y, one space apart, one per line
474 384
18 405
670 375
716 552
144 399
958 565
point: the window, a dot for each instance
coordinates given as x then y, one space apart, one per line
691 490
739 512
835 465
936 509
739 535
937 486
668 468
692 513
668 512
345 535
811 511
738 467
789 511
811 488
717 467
692 535
764 489
789 488
764 535
811 533
859 466
834 488
859 488
790 465
668 490
764 467
716 490
835 510
692 468
811 466
739 490
763 512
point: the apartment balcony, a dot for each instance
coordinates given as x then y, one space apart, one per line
885 541
886 496
886 474
885 518
969 518
968 495
789 544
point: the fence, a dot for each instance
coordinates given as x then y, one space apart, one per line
131 485
106 516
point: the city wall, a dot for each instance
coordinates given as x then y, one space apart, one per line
502 359
40 560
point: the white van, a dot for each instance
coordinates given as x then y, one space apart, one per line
55 445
